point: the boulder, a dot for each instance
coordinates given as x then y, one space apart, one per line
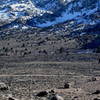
56 97
96 92
10 98
42 94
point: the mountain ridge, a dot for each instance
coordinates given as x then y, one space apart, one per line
32 14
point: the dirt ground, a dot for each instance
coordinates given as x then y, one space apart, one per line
26 79
31 63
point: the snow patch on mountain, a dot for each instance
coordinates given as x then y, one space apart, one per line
68 16
28 7
24 10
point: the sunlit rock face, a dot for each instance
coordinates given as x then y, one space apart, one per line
44 13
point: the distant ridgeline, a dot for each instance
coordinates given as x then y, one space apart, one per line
44 13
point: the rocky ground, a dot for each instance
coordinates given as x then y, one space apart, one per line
40 64
32 65
78 80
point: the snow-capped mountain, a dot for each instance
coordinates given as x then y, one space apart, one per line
44 13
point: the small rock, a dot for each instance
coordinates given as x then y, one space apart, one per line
96 92
10 98
3 86
52 92
42 94
66 86
56 97
93 79
75 98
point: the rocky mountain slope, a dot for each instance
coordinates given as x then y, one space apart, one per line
44 13
78 20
